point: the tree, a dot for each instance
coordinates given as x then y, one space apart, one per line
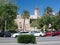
40 23
2 2
8 13
45 20
25 15
1 23
34 23
48 10
58 20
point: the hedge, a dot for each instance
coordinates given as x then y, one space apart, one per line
26 39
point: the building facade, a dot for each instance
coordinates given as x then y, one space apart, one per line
20 21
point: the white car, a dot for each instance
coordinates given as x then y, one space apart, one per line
36 33
15 35
21 33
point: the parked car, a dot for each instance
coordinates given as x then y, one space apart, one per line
57 33
49 33
20 33
5 34
52 33
1 34
38 33
15 35
25 33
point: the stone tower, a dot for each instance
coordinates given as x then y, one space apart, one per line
36 12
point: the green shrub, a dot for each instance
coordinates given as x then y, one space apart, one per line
26 39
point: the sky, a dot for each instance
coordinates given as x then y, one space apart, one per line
30 5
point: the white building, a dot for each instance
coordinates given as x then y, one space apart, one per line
19 21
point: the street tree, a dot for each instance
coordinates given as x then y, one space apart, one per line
58 20
34 23
8 13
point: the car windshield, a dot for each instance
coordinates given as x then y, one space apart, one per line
34 32
24 32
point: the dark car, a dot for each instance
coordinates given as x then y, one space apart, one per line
5 34
1 34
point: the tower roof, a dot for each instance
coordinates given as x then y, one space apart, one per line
37 8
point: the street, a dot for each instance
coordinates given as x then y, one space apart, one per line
40 41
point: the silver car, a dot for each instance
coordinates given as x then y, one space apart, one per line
20 33
38 33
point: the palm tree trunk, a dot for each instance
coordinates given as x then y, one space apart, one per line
24 25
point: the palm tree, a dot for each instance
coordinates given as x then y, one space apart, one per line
25 15
48 10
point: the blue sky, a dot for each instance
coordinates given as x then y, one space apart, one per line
41 4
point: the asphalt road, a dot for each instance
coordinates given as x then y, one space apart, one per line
40 41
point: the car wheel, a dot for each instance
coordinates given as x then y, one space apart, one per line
16 36
53 35
41 36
